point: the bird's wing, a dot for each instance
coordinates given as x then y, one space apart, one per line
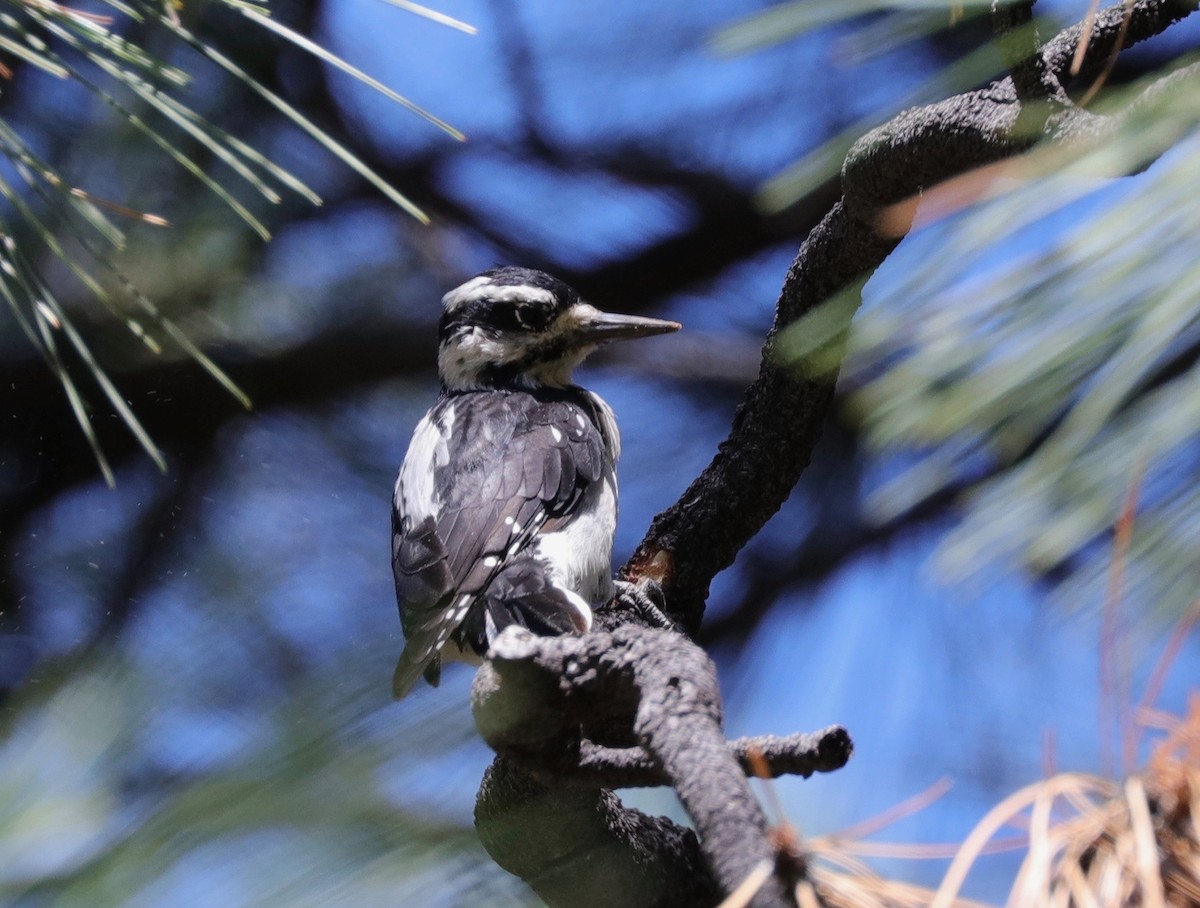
485 473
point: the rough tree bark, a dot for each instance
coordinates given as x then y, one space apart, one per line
573 717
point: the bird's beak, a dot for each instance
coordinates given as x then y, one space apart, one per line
595 327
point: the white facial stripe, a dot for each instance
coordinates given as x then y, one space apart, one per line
478 288
579 314
463 292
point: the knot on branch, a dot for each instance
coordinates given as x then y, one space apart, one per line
1036 84
636 706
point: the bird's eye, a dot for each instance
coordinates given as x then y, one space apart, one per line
530 316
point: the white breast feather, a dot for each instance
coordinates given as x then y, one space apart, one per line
580 554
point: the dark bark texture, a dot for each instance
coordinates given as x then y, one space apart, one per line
570 718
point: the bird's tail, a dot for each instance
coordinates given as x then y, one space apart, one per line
522 592
410 668
533 602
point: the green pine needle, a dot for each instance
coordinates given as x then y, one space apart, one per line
92 51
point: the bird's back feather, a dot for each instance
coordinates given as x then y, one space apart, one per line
486 474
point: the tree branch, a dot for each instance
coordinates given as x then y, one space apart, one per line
540 698
773 434
1012 21
584 849
778 424
563 695
598 766
1147 19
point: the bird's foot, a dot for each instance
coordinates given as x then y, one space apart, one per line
646 599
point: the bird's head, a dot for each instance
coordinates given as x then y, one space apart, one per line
517 327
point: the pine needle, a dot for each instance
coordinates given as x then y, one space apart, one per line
434 16
334 60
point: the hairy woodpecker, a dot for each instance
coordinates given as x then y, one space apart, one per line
506 503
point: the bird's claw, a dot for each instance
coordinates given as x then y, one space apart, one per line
646 599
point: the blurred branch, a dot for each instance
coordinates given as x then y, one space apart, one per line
725 226
524 75
184 414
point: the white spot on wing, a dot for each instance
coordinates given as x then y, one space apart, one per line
558 436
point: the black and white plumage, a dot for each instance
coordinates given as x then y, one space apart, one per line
506 503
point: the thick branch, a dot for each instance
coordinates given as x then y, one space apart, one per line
584 849
779 421
1149 18
773 435
538 697
1018 41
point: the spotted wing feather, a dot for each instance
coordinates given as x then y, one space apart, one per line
485 473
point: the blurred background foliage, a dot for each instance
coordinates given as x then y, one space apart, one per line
194 663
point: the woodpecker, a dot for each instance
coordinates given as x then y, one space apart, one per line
506 503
